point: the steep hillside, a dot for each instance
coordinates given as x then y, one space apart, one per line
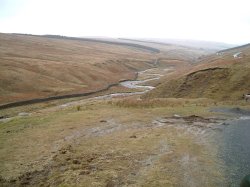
223 76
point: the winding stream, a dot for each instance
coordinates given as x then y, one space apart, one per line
137 84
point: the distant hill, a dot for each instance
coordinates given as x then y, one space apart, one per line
205 45
221 76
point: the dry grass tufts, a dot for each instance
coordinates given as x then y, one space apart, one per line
161 102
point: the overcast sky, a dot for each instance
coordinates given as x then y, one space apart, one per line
211 20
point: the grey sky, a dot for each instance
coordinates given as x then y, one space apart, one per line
211 20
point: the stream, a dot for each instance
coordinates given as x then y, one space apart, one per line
143 78
137 84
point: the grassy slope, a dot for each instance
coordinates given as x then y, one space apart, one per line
222 77
36 66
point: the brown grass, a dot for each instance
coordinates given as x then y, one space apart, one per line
222 78
135 102
105 144
33 66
